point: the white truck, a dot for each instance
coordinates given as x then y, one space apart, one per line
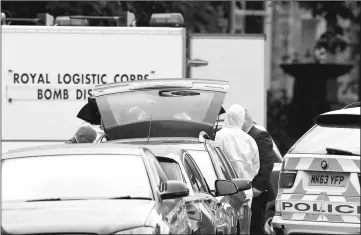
49 71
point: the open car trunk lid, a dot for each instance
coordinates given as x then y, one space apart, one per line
156 108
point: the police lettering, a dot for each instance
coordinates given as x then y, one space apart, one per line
55 94
340 210
129 77
32 78
302 207
286 205
316 207
82 78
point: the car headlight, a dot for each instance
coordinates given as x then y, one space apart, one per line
139 230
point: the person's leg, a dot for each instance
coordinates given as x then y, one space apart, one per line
247 212
258 209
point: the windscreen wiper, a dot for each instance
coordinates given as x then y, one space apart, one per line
95 198
129 197
53 199
336 151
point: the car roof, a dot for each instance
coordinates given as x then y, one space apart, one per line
355 104
167 151
348 111
185 143
73 149
172 150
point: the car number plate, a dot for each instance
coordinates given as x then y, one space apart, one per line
333 179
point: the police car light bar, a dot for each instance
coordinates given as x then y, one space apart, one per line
166 20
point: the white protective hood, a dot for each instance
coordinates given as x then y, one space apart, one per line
240 147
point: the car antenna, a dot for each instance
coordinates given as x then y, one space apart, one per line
150 126
217 122
215 129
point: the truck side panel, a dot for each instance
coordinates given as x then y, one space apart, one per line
48 73
238 59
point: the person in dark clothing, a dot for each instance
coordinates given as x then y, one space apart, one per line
85 134
262 187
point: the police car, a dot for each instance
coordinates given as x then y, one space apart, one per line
319 183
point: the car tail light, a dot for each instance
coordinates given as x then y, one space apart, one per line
286 178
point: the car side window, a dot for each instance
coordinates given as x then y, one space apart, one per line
198 177
171 169
224 170
160 176
225 162
191 176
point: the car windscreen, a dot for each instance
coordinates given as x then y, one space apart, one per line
142 105
78 177
321 137
171 168
205 165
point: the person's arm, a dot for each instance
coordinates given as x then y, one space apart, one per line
265 148
217 139
256 163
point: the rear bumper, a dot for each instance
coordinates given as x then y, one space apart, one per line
283 227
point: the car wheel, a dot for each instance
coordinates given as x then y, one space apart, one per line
268 222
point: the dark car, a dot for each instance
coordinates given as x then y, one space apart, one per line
90 189
352 105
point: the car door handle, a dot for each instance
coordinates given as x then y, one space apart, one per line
197 62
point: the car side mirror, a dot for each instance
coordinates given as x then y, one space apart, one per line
174 189
225 187
242 184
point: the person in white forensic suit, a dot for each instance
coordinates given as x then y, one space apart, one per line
240 148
